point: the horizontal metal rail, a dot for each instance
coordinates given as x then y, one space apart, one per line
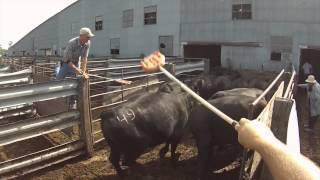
36 98
97 120
97 132
114 68
99 140
36 89
108 105
16 112
126 89
16 75
41 166
5 69
38 157
265 92
15 82
290 85
36 127
126 78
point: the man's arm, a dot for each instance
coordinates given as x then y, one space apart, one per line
281 161
302 85
75 68
84 62
84 58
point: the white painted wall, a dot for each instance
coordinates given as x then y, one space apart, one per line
188 21
211 21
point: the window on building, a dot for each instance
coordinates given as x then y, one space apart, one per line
276 56
99 23
150 15
115 46
127 18
281 47
241 11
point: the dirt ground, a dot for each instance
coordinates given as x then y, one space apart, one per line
150 168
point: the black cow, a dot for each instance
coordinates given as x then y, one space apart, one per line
146 121
207 85
209 130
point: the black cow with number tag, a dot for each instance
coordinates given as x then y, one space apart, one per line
145 121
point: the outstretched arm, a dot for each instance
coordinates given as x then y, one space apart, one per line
281 161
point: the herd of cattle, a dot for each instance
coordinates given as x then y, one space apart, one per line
152 118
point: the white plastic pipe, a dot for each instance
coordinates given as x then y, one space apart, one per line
200 99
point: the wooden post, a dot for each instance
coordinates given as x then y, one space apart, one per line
85 116
279 126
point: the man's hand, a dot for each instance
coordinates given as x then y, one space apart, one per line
152 62
81 73
85 75
253 134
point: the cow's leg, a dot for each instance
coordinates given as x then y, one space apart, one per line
174 156
164 151
204 149
115 159
129 159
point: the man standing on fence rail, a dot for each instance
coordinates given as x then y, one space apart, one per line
77 48
313 88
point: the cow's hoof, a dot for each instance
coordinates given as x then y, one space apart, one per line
162 153
175 157
123 173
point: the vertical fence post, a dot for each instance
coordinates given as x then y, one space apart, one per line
85 115
280 119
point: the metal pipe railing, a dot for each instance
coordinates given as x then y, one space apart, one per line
289 87
29 129
126 89
265 92
40 156
108 105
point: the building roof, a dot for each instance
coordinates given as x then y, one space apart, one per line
44 22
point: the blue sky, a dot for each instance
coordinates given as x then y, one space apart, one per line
18 17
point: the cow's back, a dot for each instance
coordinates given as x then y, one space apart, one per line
203 120
145 120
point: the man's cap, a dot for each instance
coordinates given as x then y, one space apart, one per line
311 79
86 31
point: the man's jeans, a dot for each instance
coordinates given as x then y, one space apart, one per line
63 72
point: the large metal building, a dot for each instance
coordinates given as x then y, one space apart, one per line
246 34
